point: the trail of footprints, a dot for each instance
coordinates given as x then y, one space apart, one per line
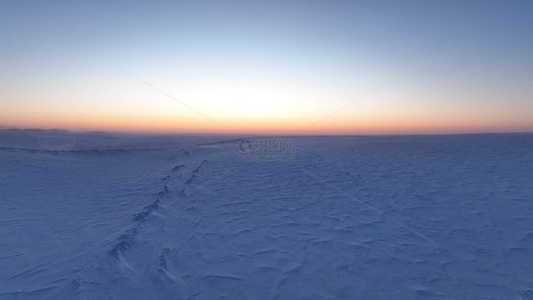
101 276
127 239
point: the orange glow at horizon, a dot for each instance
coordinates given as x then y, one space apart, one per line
343 124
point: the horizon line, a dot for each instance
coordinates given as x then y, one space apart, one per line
257 133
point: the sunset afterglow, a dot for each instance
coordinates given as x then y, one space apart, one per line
301 67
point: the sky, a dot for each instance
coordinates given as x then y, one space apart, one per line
298 67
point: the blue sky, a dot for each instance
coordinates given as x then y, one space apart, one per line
278 65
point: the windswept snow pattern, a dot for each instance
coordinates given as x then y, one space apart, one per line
180 217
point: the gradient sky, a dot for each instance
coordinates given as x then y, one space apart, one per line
268 66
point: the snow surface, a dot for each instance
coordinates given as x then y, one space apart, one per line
108 216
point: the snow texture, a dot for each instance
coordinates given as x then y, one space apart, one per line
108 216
